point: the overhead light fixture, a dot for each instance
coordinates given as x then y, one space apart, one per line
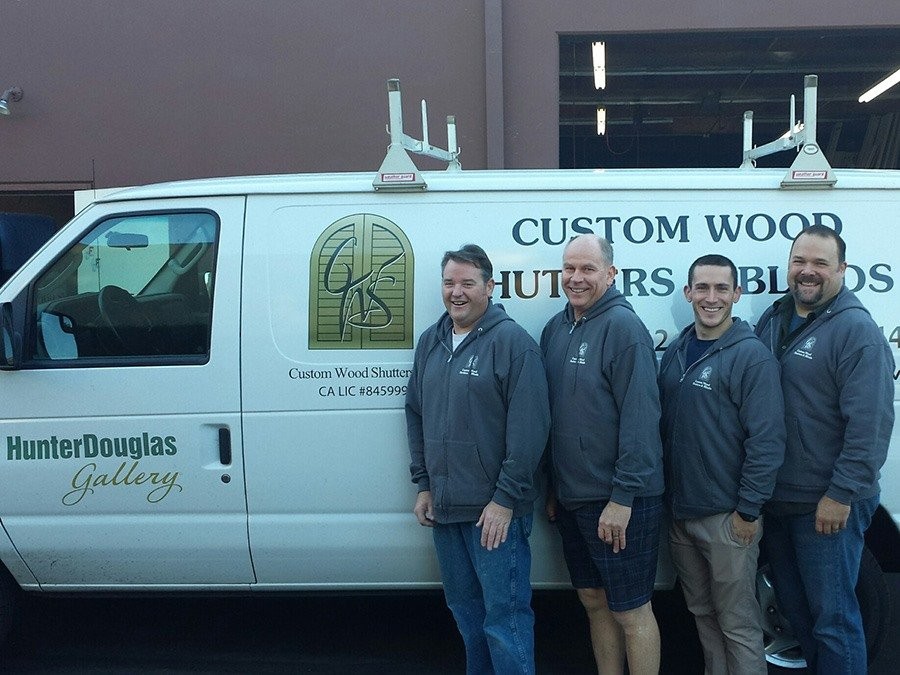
11 95
601 120
598 50
881 87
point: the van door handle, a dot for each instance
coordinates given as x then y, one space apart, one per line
225 445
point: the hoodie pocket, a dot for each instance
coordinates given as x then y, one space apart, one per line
471 481
802 468
693 484
579 468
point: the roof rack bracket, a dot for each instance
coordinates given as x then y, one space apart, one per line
810 169
398 172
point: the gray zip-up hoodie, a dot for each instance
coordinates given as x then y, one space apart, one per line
836 374
722 424
477 418
604 442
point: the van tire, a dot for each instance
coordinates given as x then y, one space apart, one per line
9 596
874 597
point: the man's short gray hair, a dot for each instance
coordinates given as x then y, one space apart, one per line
606 249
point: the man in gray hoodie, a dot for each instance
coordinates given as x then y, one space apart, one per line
836 373
606 456
723 441
477 419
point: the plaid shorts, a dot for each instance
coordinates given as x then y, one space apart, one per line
627 576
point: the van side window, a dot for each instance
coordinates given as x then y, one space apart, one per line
134 286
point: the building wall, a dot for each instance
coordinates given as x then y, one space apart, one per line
129 91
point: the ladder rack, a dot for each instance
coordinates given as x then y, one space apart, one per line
810 169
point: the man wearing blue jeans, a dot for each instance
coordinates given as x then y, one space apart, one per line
477 418
836 373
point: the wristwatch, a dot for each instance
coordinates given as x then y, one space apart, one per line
747 518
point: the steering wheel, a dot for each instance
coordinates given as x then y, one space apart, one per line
127 325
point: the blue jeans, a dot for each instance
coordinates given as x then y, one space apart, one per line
815 579
489 594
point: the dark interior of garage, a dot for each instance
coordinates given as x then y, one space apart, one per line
678 99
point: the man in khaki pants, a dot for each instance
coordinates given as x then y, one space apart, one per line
723 442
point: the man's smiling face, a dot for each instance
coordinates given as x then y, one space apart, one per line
585 275
815 275
466 294
712 294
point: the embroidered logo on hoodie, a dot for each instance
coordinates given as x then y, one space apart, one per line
703 380
582 350
806 350
471 367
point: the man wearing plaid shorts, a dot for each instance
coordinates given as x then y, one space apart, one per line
606 456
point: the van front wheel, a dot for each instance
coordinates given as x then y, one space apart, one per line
872 591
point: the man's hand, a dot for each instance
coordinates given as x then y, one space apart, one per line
831 516
550 507
494 524
611 526
743 531
424 508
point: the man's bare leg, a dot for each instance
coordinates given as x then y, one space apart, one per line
607 636
641 639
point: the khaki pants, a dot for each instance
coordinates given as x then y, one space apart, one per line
718 577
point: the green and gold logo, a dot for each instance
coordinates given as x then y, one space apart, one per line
360 286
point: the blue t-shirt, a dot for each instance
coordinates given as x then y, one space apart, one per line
696 348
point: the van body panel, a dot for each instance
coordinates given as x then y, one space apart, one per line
14 563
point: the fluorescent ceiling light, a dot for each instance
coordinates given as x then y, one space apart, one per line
601 120
598 50
881 87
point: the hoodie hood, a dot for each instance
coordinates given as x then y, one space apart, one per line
493 316
611 298
738 332
774 320
842 302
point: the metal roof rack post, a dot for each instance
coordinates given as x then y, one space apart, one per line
810 169
397 171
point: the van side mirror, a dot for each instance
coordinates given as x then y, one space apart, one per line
10 349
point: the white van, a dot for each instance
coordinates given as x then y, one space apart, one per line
203 382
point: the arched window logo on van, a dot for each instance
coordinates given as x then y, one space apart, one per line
361 286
